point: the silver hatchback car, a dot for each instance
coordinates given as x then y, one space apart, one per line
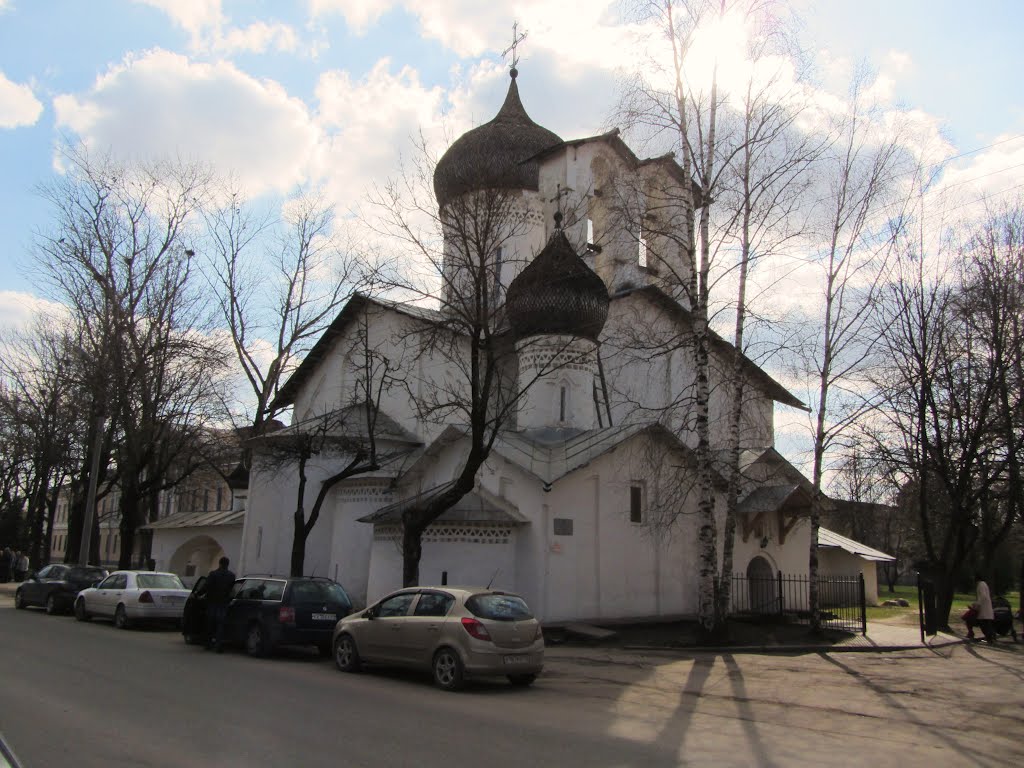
453 632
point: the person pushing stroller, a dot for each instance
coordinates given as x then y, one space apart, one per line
980 614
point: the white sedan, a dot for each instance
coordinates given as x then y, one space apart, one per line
133 596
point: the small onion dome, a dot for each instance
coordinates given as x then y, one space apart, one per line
557 293
495 155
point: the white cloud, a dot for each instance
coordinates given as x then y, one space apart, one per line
994 174
162 104
359 15
18 105
258 37
208 28
194 16
18 310
370 123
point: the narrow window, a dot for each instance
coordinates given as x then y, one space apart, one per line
590 231
219 496
259 541
636 512
561 405
642 255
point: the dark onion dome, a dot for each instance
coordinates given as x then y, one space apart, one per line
495 155
557 293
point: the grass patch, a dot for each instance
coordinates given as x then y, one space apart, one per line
961 601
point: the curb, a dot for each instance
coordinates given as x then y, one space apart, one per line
800 648
752 649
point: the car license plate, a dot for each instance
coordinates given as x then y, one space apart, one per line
515 659
172 600
325 617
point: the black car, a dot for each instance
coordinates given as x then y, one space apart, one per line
55 586
270 611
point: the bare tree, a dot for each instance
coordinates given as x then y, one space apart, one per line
39 366
118 255
858 215
950 406
279 285
749 166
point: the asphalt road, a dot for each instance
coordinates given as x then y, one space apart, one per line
82 695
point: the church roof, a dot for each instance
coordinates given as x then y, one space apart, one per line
478 506
769 498
550 460
286 394
768 385
557 293
349 421
613 140
496 155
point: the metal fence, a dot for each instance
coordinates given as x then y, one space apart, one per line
841 600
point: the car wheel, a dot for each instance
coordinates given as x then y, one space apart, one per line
80 613
52 609
256 641
447 668
19 600
346 655
521 681
121 618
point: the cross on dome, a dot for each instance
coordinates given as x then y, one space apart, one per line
516 40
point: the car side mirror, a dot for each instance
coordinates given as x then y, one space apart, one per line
370 613
95 584
30 576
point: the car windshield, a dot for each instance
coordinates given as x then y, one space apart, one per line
86 574
499 607
158 581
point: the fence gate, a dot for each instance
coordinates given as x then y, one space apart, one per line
841 599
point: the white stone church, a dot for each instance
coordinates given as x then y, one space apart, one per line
572 508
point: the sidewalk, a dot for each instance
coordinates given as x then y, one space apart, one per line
680 637
673 638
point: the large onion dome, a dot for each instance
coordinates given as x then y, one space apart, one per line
494 155
557 293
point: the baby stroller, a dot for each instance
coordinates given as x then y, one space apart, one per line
1002 617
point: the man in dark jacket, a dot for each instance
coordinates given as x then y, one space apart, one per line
218 593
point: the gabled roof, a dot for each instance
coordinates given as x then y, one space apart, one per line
613 140
770 386
770 498
341 423
831 540
477 506
550 457
198 519
286 394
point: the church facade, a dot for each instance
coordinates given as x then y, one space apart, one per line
583 505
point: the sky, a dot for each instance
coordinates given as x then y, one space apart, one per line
330 93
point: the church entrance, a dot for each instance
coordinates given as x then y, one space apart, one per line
196 557
761 585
